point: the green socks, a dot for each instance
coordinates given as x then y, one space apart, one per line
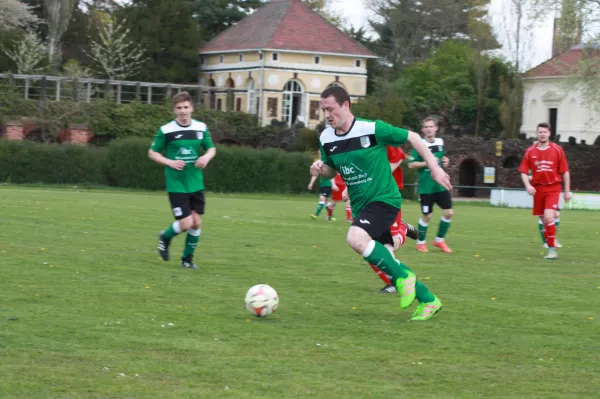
443 228
319 208
378 255
422 230
172 230
191 241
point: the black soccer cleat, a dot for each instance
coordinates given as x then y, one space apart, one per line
388 289
188 263
163 246
411 231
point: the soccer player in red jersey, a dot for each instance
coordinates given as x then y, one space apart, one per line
548 164
337 190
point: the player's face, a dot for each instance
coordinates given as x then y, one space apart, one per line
183 111
429 129
336 115
543 135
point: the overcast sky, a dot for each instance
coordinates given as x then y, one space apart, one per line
537 40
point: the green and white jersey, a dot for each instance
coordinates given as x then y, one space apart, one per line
323 182
360 156
426 183
183 143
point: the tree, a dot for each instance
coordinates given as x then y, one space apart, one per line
214 16
410 29
170 36
324 7
27 53
115 55
15 14
58 14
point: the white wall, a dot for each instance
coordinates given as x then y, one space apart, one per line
520 199
574 118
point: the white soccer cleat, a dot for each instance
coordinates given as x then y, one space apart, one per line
552 254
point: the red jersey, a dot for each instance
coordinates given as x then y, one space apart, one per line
547 166
396 154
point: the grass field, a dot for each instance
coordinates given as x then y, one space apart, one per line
87 309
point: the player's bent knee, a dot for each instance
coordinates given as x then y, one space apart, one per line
358 239
448 213
426 217
186 223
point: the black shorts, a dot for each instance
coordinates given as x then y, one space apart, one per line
183 204
443 199
325 191
376 219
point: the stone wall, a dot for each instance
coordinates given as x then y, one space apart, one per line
469 155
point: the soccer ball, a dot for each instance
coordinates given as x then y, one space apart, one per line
261 300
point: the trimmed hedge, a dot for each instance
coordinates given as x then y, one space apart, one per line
125 163
30 162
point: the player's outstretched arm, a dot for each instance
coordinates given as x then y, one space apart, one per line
437 172
205 159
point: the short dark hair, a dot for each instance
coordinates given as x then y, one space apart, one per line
431 119
544 124
181 97
338 92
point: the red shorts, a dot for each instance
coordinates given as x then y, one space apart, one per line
395 229
545 200
337 195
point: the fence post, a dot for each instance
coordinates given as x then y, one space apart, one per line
199 96
119 93
168 92
89 91
107 88
26 88
11 80
138 89
75 93
44 89
149 100
58 90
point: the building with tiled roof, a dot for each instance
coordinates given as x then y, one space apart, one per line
277 61
552 93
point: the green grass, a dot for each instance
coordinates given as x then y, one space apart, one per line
84 298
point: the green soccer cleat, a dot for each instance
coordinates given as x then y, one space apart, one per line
314 217
426 310
406 289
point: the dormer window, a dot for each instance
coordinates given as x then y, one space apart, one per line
357 63
275 56
241 57
317 60
221 59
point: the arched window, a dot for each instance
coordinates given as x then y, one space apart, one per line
252 106
292 109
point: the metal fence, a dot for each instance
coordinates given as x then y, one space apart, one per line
59 88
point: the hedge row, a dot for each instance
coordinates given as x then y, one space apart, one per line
125 163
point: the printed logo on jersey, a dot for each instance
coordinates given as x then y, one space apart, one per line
186 154
365 142
199 135
353 175
342 146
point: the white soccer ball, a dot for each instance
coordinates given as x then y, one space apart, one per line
262 300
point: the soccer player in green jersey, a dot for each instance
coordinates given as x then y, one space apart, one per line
177 146
429 190
324 196
356 148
